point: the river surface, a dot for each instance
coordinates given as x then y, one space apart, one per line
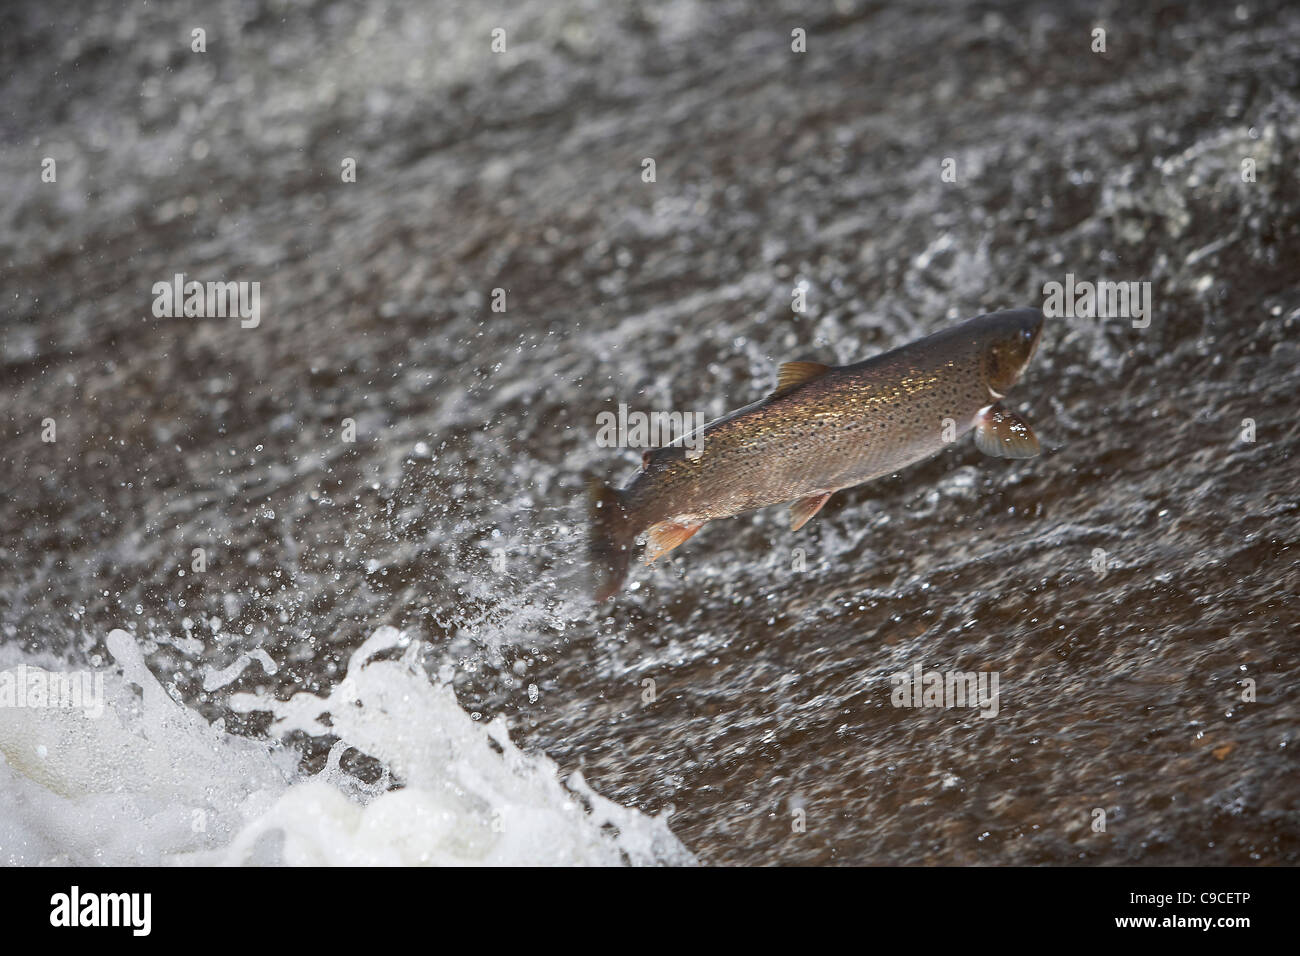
386 460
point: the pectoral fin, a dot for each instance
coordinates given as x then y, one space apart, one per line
803 509
1005 434
665 536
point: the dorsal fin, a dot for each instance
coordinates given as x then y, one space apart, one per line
793 374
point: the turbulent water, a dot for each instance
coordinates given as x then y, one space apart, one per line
388 654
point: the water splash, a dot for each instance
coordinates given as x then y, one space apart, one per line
148 781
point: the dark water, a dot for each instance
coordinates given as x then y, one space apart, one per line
454 515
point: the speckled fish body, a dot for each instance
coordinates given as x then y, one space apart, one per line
824 429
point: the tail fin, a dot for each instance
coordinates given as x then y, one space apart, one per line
612 538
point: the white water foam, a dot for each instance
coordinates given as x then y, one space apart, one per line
148 781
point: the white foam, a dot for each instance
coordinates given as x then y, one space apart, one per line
148 781
215 678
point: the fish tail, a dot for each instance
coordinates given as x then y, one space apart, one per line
611 538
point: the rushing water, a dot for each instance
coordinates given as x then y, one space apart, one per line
388 655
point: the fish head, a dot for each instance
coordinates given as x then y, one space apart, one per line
1007 343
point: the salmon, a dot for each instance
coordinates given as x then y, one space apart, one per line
822 429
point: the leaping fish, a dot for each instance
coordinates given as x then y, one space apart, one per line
822 429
